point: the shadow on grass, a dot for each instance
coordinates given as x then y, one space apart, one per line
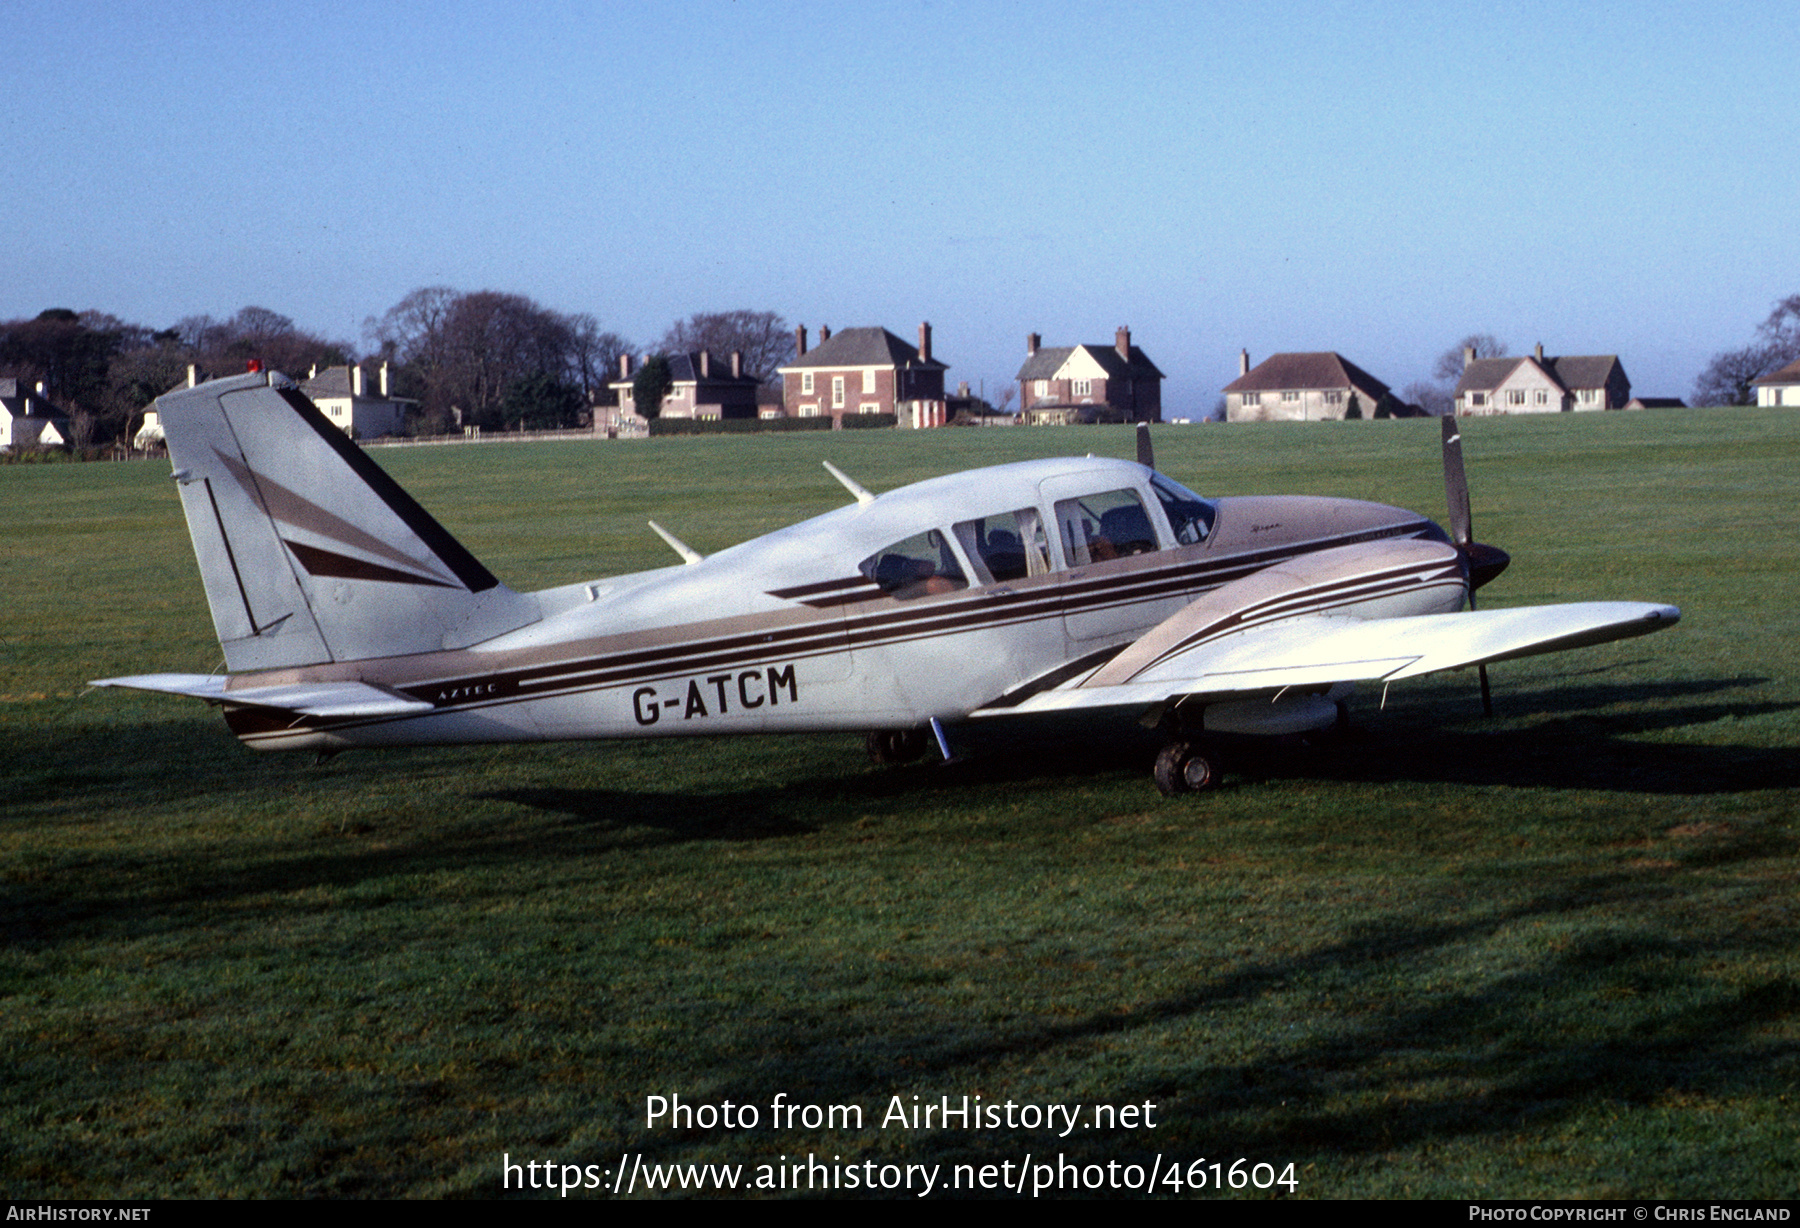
1610 1018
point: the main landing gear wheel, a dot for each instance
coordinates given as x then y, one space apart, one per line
893 746
1183 767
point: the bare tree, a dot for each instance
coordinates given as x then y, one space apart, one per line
593 355
1727 379
762 337
1729 376
1781 331
1450 363
1434 399
493 356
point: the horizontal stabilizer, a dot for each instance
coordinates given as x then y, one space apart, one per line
333 699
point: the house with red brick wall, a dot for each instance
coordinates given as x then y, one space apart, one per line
1060 385
865 371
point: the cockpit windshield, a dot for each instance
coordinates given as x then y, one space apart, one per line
1190 516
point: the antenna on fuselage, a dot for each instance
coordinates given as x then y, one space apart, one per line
1146 453
688 554
862 493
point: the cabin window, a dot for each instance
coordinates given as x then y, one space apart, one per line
1190 517
1105 526
919 566
1009 546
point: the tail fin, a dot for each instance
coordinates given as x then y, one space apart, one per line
310 553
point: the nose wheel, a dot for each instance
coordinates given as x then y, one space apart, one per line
1185 767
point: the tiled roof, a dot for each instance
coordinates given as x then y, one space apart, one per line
1486 374
1049 360
863 347
1326 369
1590 371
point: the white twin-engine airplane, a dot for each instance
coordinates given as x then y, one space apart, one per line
351 618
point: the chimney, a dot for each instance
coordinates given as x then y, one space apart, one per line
624 366
1032 342
924 341
384 380
737 364
356 379
1243 362
705 364
962 389
1468 356
1540 351
1122 342
193 376
800 342
314 372
824 333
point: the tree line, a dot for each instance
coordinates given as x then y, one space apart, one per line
481 358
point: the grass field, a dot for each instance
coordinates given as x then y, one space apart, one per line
1548 954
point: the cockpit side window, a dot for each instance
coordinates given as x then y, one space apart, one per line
1110 525
1190 517
917 567
1007 546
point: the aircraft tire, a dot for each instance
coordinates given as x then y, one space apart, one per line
1183 767
896 746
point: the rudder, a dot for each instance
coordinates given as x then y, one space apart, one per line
309 551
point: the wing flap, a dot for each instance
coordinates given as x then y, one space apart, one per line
325 699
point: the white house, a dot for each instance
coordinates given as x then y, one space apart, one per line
344 395
27 419
1779 387
1539 385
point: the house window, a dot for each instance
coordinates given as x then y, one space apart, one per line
1334 397
810 410
1515 396
1478 398
1543 397
806 387
1589 395
837 392
1040 388
868 382
1290 395
869 407
1084 387
1253 398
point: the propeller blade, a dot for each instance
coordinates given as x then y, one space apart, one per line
1456 483
1462 531
1146 453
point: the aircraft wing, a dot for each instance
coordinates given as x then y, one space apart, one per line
1321 650
337 699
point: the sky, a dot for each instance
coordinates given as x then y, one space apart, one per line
1375 179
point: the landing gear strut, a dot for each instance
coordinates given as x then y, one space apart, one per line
1185 767
893 746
